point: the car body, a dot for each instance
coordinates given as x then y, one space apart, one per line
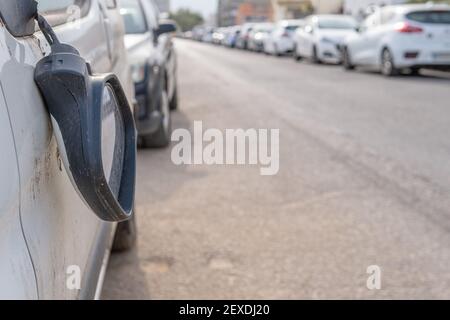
243 36
258 35
232 35
321 37
218 36
402 37
46 229
281 39
153 69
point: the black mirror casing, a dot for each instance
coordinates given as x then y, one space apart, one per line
19 16
166 27
74 99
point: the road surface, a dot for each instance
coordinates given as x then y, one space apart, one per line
364 180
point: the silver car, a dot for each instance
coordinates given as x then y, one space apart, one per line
66 177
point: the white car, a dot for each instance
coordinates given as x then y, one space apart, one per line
402 37
258 35
67 148
321 37
281 39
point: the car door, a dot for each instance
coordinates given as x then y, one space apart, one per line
368 41
63 235
17 279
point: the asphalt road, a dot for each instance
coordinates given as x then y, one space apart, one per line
364 180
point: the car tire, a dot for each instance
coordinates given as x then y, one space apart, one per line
174 101
315 57
161 138
126 235
415 72
346 60
296 56
275 51
388 68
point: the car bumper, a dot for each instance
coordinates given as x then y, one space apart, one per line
330 52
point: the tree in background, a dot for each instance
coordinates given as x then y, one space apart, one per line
187 19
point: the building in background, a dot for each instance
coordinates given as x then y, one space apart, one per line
291 9
163 5
295 9
328 6
358 8
227 11
254 11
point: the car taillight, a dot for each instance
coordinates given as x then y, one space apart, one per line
404 27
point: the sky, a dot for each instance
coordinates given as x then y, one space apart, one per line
205 7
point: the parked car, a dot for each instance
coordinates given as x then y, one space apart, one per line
232 36
218 36
401 37
153 75
168 53
257 36
243 36
281 40
56 220
321 37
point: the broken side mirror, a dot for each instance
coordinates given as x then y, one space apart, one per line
94 128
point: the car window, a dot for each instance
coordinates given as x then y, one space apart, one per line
133 16
63 11
434 17
336 23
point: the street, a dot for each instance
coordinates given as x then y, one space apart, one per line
364 180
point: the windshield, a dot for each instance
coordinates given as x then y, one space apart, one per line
336 23
133 16
292 27
435 17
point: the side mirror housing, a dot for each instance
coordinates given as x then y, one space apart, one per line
19 16
94 128
166 26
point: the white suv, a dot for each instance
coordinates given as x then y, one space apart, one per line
402 37
58 216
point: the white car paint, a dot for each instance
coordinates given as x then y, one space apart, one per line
281 39
59 230
381 31
322 36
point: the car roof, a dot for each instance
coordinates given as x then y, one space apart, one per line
292 22
406 8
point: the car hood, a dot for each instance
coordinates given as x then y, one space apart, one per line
337 36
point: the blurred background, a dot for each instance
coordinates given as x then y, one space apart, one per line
364 157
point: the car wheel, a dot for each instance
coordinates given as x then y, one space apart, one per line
161 138
126 235
315 57
297 57
415 71
275 50
346 60
174 101
387 64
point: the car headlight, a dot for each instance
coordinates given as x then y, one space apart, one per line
327 40
138 73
